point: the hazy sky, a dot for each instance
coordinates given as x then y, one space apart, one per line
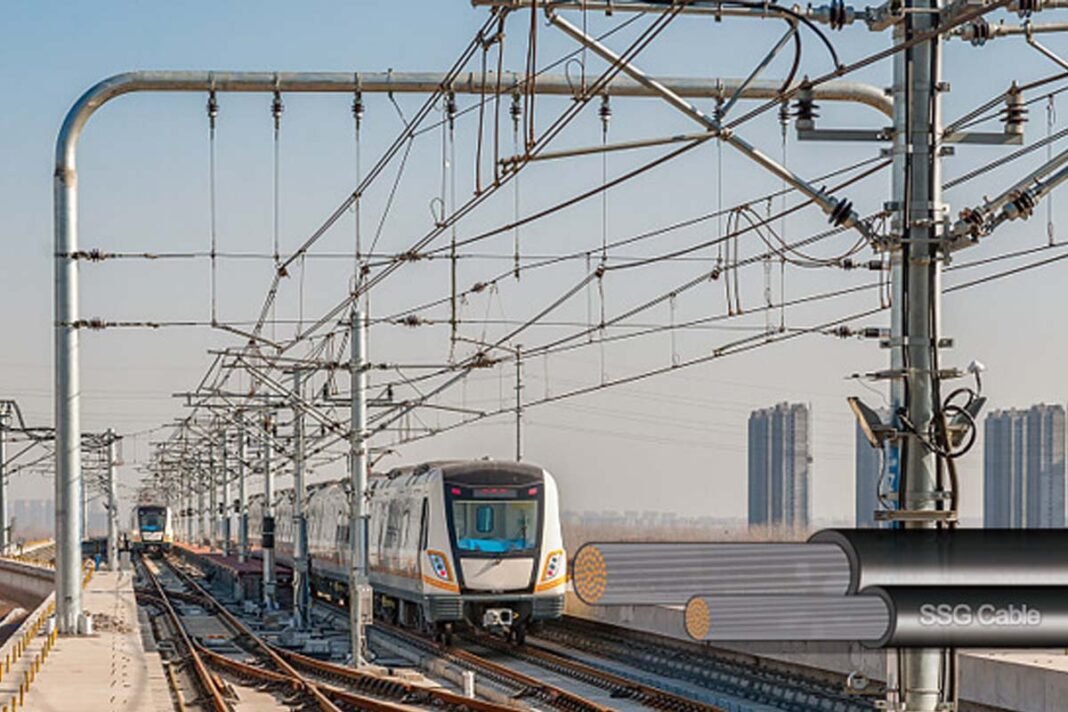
672 443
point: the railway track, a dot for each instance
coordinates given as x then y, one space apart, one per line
639 694
210 688
313 683
630 666
520 685
526 686
619 687
740 676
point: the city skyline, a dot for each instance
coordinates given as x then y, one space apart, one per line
1024 467
780 467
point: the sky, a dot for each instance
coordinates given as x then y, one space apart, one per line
674 443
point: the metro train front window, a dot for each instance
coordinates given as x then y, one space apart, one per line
495 527
151 520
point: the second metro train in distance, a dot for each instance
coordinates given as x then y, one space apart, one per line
151 528
451 544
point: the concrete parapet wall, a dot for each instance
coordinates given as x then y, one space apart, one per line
28 578
7 650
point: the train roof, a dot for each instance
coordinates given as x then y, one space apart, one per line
483 472
472 473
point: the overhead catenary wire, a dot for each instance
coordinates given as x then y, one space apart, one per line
769 238
738 346
543 140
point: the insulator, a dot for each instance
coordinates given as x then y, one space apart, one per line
358 108
605 112
450 107
784 113
1025 8
1014 115
277 107
841 212
805 109
974 219
838 14
978 32
515 110
213 108
1024 205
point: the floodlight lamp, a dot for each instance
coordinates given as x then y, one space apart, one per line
870 424
976 368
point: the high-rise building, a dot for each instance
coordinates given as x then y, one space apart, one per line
780 464
868 469
1023 468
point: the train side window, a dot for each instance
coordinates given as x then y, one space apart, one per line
423 524
406 525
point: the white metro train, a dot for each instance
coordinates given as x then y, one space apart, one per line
451 543
151 528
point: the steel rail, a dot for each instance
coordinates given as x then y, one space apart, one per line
203 677
239 627
251 672
620 687
436 696
370 683
731 673
552 695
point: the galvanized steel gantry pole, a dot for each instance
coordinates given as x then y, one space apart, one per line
242 495
360 602
227 506
4 539
301 568
270 599
113 500
921 670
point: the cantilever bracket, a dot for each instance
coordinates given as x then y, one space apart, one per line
839 209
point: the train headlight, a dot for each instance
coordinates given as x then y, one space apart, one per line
554 565
440 565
